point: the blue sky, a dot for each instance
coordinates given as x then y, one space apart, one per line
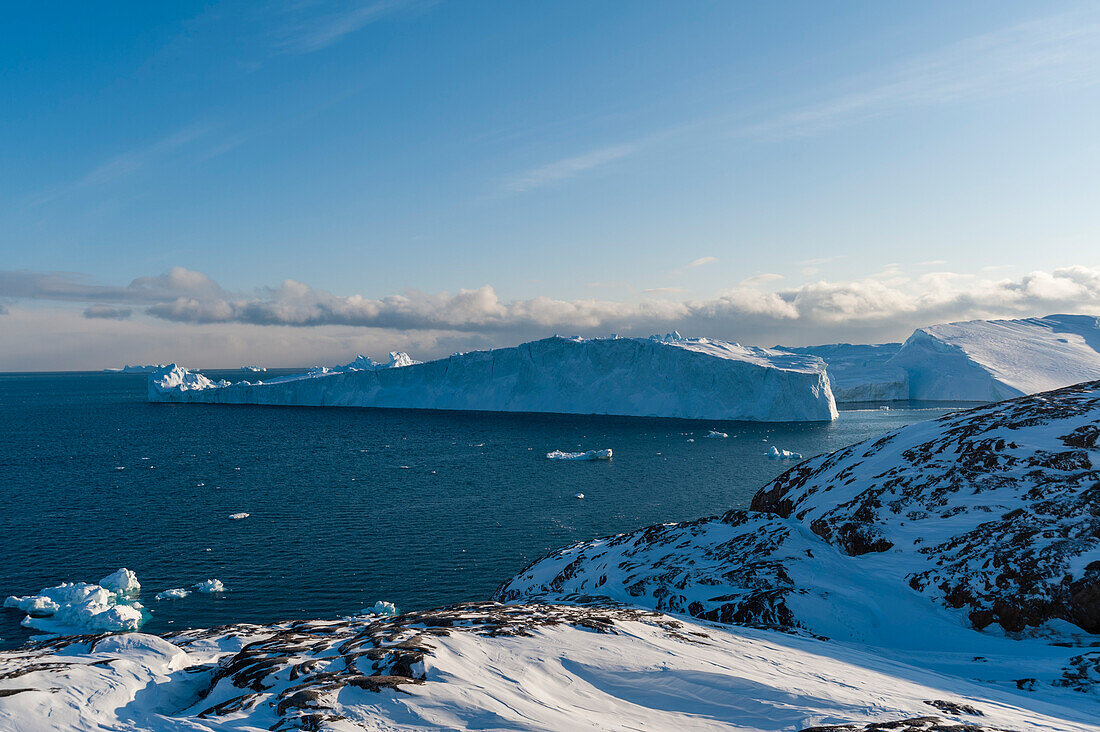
767 172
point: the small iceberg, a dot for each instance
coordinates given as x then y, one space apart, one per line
774 453
78 607
716 433
177 593
239 516
381 608
590 455
210 586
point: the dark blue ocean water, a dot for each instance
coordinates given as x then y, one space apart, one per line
348 506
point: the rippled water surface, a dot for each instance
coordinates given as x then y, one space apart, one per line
347 506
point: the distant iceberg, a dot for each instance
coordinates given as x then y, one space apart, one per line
774 453
587 455
861 373
990 360
692 378
975 361
144 369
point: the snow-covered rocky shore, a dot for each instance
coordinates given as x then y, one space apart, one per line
694 378
944 576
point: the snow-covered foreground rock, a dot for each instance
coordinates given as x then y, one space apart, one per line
490 666
977 361
694 378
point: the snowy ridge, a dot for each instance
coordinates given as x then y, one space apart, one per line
694 378
491 666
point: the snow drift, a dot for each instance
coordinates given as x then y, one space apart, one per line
694 378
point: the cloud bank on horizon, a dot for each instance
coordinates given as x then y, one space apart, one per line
886 306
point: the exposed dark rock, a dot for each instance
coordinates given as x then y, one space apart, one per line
954 707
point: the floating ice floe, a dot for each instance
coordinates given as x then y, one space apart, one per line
589 455
210 585
239 516
774 453
381 608
79 607
177 593
716 433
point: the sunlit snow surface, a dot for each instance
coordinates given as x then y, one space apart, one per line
485 666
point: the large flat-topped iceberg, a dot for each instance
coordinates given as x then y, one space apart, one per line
693 378
973 361
989 360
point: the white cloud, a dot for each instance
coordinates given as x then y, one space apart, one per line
702 260
761 279
864 310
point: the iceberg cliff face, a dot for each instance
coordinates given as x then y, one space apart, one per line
693 378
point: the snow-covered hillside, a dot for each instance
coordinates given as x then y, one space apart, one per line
490 666
694 378
912 542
